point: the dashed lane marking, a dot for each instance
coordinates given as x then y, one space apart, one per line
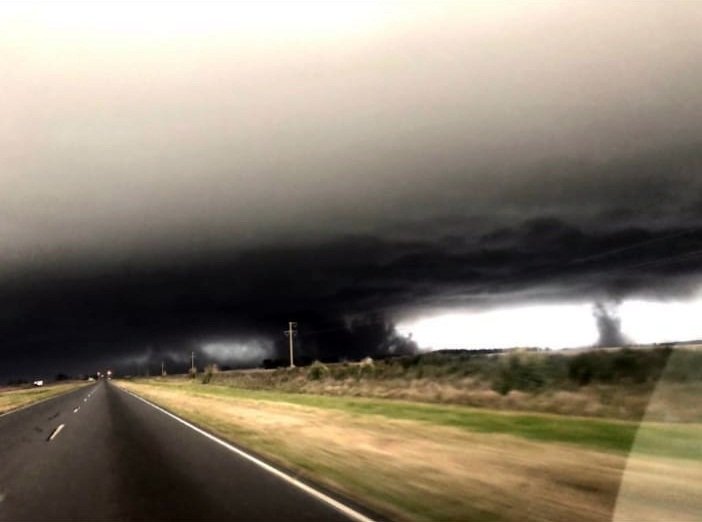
56 432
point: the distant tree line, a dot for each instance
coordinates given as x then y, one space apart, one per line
527 370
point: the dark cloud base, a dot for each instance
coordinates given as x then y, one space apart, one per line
345 294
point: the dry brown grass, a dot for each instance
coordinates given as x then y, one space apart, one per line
654 490
413 470
598 400
13 398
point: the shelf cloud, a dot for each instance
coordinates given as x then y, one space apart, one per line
180 184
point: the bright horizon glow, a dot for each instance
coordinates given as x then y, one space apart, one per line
238 351
555 326
659 322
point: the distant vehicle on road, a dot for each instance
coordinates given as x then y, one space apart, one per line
38 383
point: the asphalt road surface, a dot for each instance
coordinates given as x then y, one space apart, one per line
117 458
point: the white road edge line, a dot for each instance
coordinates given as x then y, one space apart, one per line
56 431
343 508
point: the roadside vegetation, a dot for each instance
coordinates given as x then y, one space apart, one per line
423 461
12 398
602 434
600 383
523 435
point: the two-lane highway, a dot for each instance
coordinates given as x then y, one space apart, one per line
98 453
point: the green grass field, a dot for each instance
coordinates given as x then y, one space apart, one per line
668 440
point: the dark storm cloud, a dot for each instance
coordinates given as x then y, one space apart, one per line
343 293
169 186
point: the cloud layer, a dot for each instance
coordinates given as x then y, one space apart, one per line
180 182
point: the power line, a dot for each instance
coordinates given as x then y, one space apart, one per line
606 253
676 257
580 261
481 287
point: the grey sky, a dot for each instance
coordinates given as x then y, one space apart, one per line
191 170
117 132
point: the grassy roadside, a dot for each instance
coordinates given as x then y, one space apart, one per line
609 435
12 399
610 384
430 462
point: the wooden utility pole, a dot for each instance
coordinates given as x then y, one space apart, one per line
290 333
